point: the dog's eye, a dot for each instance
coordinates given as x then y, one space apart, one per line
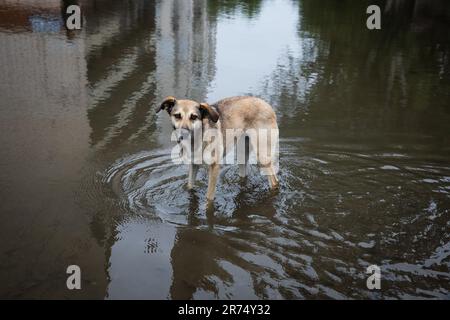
194 117
177 116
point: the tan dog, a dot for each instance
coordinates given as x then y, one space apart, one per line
238 113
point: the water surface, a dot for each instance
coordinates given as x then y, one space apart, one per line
86 176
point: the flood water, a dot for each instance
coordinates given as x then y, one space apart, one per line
86 176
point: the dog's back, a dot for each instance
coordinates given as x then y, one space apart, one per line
245 112
257 119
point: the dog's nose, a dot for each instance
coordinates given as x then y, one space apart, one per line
182 134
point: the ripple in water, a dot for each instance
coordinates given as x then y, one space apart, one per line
336 212
150 183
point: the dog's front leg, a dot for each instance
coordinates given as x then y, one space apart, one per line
193 168
212 180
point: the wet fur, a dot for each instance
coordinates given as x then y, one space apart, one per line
242 112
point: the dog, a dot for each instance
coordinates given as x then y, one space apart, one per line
241 114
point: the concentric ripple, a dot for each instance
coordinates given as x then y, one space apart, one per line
151 183
336 212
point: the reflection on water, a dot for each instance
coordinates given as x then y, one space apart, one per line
86 172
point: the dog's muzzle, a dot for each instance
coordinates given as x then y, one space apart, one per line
183 138
182 135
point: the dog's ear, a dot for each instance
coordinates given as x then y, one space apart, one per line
167 104
207 110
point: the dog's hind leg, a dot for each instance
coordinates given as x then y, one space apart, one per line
271 176
264 155
244 159
193 168
268 168
212 180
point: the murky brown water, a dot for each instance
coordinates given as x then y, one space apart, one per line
86 177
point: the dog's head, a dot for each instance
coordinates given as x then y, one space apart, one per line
188 114
189 120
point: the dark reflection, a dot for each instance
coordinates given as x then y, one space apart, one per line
204 257
364 84
230 7
195 258
349 186
44 151
121 67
